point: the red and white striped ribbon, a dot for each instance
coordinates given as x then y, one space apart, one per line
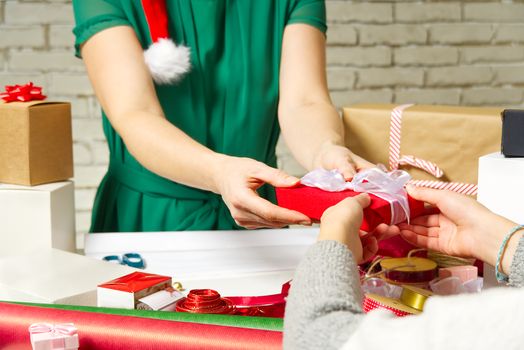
395 159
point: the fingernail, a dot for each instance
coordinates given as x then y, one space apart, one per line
305 223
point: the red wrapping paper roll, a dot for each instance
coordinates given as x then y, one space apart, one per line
111 332
312 201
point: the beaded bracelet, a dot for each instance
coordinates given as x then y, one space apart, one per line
502 277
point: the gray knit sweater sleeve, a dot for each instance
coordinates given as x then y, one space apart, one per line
325 301
516 273
324 304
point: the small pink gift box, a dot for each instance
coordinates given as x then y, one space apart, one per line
46 336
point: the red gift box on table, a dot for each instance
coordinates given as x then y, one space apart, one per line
313 201
125 292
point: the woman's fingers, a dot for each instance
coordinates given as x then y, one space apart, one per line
274 177
384 231
369 247
426 220
267 211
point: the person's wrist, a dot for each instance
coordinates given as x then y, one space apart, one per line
490 237
217 163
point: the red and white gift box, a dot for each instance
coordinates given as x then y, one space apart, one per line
124 292
321 189
46 336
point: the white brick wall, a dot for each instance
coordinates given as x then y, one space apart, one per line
424 51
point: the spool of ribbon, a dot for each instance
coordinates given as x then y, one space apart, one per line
22 93
409 270
414 297
374 301
388 186
205 301
396 159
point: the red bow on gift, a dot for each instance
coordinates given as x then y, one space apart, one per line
22 93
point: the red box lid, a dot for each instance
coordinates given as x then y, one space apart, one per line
135 282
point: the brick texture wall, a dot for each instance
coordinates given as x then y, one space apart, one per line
437 52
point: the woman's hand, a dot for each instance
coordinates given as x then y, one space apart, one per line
332 156
237 180
342 222
463 227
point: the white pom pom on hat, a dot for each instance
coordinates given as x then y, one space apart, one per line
166 61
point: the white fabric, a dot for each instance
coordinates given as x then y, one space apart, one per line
167 62
493 319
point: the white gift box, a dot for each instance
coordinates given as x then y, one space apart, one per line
501 189
37 217
55 277
124 292
45 336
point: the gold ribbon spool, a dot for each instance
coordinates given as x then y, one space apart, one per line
393 303
414 297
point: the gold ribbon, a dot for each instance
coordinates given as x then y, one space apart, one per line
414 297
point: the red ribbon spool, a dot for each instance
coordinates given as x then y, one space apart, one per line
22 93
205 301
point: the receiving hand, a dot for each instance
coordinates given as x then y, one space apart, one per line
237 181
342 223
333 156
462 228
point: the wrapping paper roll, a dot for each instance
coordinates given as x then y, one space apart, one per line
266 323
99 331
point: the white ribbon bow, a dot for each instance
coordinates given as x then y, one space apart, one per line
386 185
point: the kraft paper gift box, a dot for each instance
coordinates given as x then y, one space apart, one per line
37 217
501 190
35 142
53 276
124 292
452 137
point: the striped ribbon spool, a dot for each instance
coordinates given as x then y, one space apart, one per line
396 159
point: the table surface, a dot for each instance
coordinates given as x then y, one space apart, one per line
255 262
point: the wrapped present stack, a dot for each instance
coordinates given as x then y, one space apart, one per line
36 163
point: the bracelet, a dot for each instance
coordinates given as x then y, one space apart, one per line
502 277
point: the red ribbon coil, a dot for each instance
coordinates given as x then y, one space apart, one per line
22 93
205 301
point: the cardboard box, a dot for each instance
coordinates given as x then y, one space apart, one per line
38 217
500 190
124 292
452 137
55 277
36 142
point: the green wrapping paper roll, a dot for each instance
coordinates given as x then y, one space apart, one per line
264 323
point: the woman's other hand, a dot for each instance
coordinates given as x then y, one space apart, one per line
237 180
332 156
342 223
463 227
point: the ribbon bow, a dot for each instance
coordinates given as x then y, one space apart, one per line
58 329
22 93
386 185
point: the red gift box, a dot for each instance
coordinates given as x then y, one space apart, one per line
312 201
124 292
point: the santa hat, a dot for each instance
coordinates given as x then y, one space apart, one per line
167 62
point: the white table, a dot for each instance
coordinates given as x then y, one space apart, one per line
253 262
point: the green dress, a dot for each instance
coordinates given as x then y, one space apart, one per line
228 102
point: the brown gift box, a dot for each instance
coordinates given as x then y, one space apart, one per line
452 137
35 142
